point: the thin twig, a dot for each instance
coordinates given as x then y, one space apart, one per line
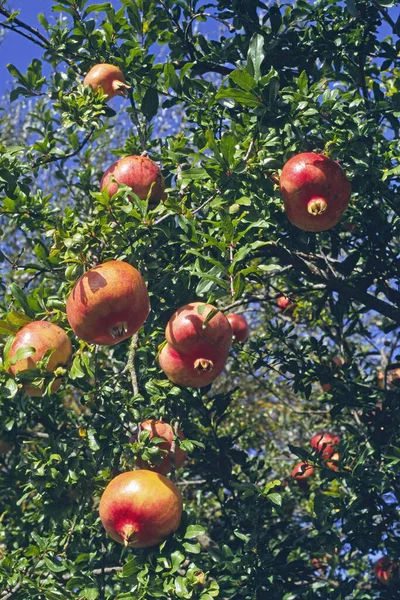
173 450
130 365
51 159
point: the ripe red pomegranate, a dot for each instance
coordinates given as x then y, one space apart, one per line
315 191
162 430
42 336
108 304
195 355
140 508
240 328
325 443
303 471
137 172
107 77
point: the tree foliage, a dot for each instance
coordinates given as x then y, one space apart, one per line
222 94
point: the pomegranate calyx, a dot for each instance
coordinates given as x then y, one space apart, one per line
128 534
118 330
120 87
317 206
203 365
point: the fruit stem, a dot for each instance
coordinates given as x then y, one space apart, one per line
203 364
316 206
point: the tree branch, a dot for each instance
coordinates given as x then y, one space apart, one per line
51 159
130 365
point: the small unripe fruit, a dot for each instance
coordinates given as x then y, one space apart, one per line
240 328
107 77
162 430
140 508
303 471
315 191
139 173
325 443
108 304
42 336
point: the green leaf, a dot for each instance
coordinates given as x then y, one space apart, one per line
302 83
97 7
255 56
240 96
275 499
150 103
228 143
22 353
194 530
22 300
243 79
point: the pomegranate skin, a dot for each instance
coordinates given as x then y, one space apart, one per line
185 332
108 304
138 173
193 369
315 191
42 336
162 430
302 471
108 77
140 508
240 328
325 443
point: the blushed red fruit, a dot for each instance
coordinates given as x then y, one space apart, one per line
240 328
195 354
302 471
42 336
107 77
140 508
384 570
137 172
325 443
162 430
192 369
108 304
315 191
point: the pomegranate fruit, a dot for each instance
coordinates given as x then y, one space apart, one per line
325 443
315 191
385 570
162 430
195 354
303 471
42 336
240 328
140 508
107 77
108 304
139 173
